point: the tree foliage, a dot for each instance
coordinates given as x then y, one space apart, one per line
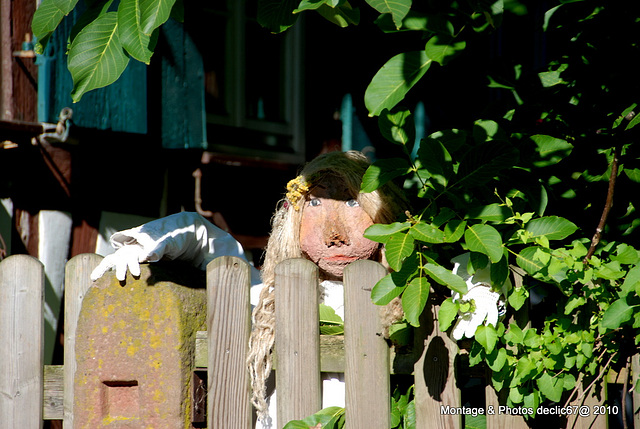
528 185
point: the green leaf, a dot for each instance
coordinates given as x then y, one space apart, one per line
343 15
416 21
484 239
610 271
328 418
394 80
397 127
552 77
401 334
516 394
497 360
309 5
95 10
46 19
446 278
631 282
133 39
277 15
483 162
499 273
435 158
385 290
527 260
514 335
486 131
633 122
518 297
96 57
382 233
620 119
491 213
551 227
551 150
532 400
574 302
330 322
153 13
479 421
414 299
382 171
626 254
447 313
397 248
618 313
531 338
486 335
454 230
397 8
443 48
551 387
426 232
633 174
525 369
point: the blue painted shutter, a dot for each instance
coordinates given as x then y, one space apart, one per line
121 106
183 110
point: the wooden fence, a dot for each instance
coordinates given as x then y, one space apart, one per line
31 392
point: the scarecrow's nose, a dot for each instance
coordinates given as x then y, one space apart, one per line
336 234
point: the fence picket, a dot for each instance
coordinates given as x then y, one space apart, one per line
21 330
435 384
367 353
297 341
228 327
77 283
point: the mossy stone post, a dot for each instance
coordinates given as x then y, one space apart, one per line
135 346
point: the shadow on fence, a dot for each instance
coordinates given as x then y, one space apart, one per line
137 352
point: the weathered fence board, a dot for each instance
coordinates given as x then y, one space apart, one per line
52 408
77 283
21 331
435 381
590 420
367 353
297 342
228 327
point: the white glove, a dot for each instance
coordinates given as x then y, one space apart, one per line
484 308
481 296
125 257
182 236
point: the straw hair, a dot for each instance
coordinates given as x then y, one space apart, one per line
383 206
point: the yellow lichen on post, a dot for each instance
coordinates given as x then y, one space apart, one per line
135 348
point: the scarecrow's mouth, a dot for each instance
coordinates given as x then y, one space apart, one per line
340 258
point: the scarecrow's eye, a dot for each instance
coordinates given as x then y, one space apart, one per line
352 203
314 202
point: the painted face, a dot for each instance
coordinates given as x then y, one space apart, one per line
331 232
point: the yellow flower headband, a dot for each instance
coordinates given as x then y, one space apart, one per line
296 191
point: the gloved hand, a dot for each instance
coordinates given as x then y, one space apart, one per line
126 257
484 308
480 295
182 236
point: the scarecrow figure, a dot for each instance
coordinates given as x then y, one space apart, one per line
322 218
